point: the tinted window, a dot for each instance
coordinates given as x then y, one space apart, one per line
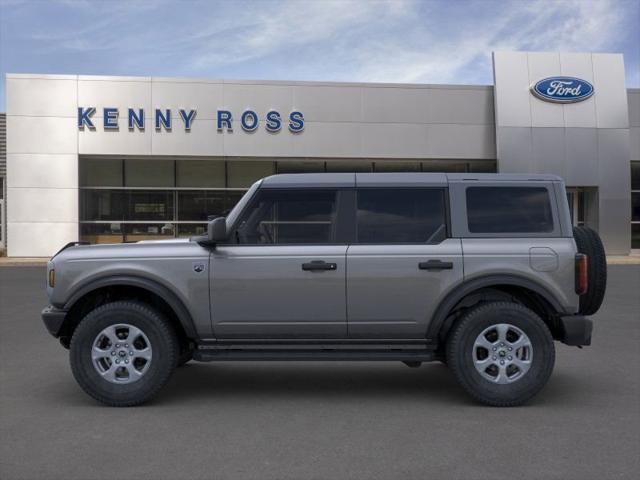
150 205
509 210
196 205
388 215
103 205
635 235
635 175
635 207
289 216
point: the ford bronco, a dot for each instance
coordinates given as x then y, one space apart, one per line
480 271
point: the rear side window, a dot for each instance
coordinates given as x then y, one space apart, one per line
509 210
388 215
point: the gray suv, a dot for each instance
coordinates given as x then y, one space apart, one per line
481 272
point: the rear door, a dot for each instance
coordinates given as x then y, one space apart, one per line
401 263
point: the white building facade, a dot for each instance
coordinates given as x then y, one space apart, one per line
112 159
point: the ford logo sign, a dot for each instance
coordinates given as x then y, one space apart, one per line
562 89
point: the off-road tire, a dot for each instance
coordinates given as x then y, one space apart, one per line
161 337
588 242
460 353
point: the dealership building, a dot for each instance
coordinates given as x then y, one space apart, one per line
114 159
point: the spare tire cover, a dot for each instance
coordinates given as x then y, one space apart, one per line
588 242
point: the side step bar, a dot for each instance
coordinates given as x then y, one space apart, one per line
368 355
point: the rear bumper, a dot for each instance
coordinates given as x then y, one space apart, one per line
53 319
575 330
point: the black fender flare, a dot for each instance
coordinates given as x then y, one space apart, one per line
465 288
181 311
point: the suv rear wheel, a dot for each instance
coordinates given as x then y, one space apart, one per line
501 353
123 352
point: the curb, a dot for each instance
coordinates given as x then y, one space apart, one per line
23 262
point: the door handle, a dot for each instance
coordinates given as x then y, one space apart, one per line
319 265
435 265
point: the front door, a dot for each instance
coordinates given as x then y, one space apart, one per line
401 264
284 274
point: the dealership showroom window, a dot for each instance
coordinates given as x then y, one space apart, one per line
133 199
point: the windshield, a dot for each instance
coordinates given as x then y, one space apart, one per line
233 214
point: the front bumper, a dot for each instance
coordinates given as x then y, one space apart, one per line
53 319
575 330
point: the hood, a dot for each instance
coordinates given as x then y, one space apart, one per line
143 248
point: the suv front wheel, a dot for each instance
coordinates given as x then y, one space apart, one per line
122 353
502 353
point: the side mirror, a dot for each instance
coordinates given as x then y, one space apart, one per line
217 230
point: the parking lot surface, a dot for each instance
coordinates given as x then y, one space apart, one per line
319 420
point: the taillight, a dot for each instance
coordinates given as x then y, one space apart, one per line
582 266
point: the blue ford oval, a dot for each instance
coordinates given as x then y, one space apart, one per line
562 89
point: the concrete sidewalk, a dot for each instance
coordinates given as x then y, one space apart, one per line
633 259
23 261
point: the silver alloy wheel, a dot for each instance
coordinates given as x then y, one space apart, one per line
121 353
502 353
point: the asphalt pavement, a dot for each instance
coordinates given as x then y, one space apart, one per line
319 420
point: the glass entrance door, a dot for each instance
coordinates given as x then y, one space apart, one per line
577 205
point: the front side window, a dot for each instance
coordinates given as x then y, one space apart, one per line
509 210
289 217
387 215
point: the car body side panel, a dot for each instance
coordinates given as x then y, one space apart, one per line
548 262
389 296
262 291
170 264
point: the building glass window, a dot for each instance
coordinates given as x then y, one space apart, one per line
635 235
200 174
635 205
482 166
105 172
149 173
445 166
299 167
103 205
150 205
392 166
105 232
134 232
2 214
577 199
243 174
635 208
191 229
199 205
130 198
338 166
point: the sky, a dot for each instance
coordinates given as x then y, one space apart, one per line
403 41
